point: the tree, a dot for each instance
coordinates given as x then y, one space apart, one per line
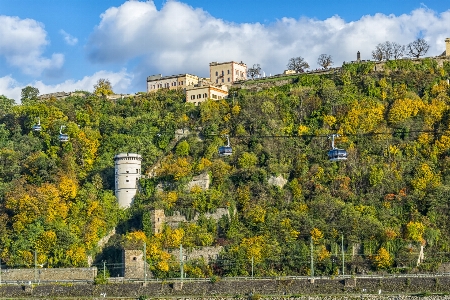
417 48
388 50
6 105
103 88
325 61
255 71
397 50
28 94
377 54
297 64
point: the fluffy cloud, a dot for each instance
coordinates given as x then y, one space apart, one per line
69 39
22 43
179 38
120 82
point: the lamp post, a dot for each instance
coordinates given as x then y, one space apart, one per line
145 263
343 257
312 259
181 263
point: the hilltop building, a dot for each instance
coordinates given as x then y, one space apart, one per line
227 72
198 89
203 90
173 82
127 174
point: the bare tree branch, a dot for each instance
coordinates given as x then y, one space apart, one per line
417 48
255 71
325 61
298 64
397 50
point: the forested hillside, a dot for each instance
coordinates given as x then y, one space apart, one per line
390 197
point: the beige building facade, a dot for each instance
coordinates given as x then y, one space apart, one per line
173 82
200 93
228 72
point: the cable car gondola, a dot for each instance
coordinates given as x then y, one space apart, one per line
336 154
62 136
37 127
226 150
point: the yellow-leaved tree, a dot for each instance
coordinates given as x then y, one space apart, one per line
403 109
383 259
103 88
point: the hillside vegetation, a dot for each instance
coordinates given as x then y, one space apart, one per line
389 198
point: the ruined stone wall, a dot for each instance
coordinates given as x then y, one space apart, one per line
206 253
177 218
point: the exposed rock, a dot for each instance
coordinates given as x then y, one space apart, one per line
201 180
277 181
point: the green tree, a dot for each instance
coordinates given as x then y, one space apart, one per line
182 148
29 94
6 105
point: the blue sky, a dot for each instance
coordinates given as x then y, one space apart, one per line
68 45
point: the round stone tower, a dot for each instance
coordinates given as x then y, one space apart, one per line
447 47
127 174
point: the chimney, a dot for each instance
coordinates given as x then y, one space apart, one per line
358 56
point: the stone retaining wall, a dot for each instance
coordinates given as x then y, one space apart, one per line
49 274
243 289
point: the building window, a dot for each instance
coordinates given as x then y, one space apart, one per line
127 180
223 72
217 80
228 72
228 79
223 80
217 73
205 95
192 97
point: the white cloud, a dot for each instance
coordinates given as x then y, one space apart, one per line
69 39
10 88
179 38
120 82
22 43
